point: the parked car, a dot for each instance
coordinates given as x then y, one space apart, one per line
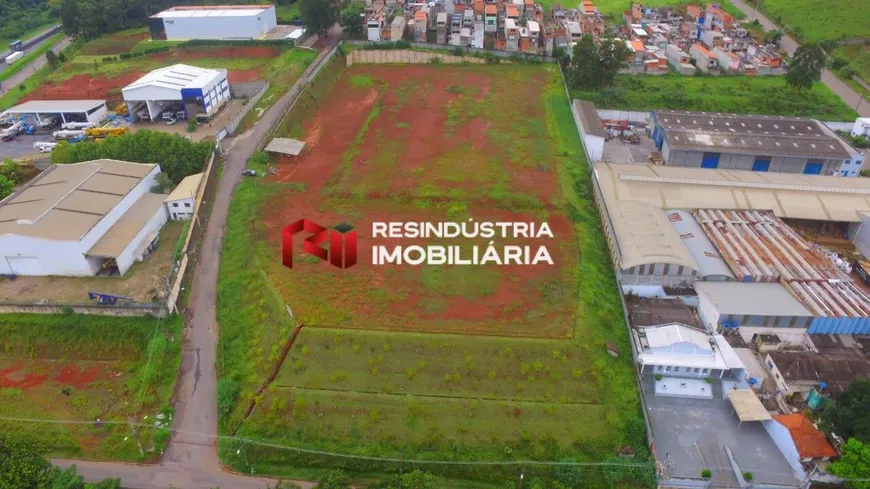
170 121
250 173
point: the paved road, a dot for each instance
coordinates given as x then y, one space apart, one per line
18 78
191 460
851 97
26 50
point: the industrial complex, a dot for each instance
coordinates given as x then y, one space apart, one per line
191 91
228 22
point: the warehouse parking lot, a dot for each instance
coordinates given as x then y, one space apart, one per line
23 145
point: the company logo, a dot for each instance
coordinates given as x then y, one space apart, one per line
340 253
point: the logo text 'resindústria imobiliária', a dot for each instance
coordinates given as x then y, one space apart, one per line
342 246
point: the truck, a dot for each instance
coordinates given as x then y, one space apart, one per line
14 57
12 131
16 45
58 135
44 147
47 122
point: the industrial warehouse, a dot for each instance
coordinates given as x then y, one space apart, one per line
82 219
228 22
177 91
46 112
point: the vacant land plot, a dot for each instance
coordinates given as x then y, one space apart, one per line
92 373
113 44
768 95
812 21
457 363
143 282
859 58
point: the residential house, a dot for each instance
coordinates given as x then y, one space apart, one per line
468 19
441 28
587 7
677 350
694 12
478 33
810 443
421 25
529 8
803 371
717 19
181 201
637 55
374 26
490 18
397 28
573 30
728 61
704 59
680 60
512 12
712 39
478 9
512 35
656 62
534 36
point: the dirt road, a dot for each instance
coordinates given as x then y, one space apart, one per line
851 97
191 460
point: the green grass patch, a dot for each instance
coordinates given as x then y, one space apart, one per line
812 21
614 8
287 13
14 94
859 59
768 95
84 368
115 43
149 44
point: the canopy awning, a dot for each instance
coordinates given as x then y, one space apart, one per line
286 146
747 406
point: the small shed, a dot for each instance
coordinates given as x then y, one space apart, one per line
747 406
286 146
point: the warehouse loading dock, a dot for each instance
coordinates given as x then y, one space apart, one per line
37 111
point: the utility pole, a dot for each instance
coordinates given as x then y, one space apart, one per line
755 10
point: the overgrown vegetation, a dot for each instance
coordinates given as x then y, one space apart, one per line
88 368
614 8
23 465
30 57
805 20
768 95
22 19
177 155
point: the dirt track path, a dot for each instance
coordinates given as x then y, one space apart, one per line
191 460
851 97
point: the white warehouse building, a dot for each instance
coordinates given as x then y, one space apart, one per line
198 92
213 22
85 219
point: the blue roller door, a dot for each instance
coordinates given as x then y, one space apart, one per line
813 168
710 160
761 164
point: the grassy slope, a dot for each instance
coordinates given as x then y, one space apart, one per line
615 8
281 74
859 59
821 21
83 340
477 419
746 95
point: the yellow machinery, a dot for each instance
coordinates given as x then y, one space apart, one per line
121 109
101 132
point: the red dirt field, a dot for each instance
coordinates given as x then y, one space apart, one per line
26 375
243 76
84 87
434 135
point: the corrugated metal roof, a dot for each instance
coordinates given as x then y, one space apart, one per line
186 189
55 106
645 236
121 234
788 195
753 299
212 11
702 250
665 336
176 77
750 134
65 201
589 117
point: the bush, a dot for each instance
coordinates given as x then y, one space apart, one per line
334 479
747 476
839 62
402 44
191 125
125 55
706 474
109 59
227 391
658 376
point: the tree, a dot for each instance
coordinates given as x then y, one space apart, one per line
411 480
352 21
848 414
319 15
593 66
806 67
569 475
51 59
773 37
854 464
7 186
21 463
334 479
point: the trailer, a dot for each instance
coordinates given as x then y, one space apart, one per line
14 57
58 135
44 144
12 131
77 125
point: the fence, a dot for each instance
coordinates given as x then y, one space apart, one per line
623 115
297 90
442 47
258 89
406 56
178 275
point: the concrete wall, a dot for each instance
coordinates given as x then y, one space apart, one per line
68 258
219 27
731 161
130 254
658 274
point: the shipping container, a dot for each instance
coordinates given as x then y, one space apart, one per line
14 57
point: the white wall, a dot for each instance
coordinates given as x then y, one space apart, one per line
783 440
178 206
127 257
595 146
68 257
708 313
99 115
220 27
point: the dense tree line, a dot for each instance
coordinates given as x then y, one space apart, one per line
23 466
92 18
178 156
19 16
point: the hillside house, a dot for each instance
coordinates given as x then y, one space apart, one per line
728 61
490 19
680 60
704 59
512 35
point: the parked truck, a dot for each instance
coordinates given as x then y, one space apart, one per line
77 125
44 147
12 131
14 57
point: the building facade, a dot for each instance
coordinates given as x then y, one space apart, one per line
183 23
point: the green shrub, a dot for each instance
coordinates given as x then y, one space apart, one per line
125 55
658 376
227 391
747 476
402 44
706 474
191 125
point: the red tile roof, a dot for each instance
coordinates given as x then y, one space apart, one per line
490 10
637 45
512 10
810 442
705 51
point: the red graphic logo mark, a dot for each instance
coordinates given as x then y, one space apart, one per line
342 243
